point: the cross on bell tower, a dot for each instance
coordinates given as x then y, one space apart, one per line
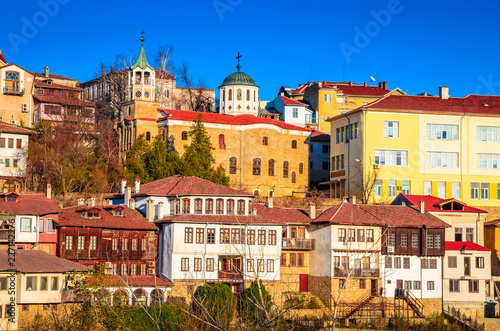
238 58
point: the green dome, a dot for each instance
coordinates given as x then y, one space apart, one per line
238 78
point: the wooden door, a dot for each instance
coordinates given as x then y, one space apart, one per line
303 283
374 286
399 283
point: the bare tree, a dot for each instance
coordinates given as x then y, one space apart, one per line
195 98
365 182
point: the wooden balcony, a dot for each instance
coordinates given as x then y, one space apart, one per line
358 272
4 235
14 91
231 275
298 244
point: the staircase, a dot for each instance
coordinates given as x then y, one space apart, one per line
415 304
356 305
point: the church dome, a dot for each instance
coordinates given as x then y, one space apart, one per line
238 78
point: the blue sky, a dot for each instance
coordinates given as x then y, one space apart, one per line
414 45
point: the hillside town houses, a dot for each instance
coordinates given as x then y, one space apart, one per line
398 196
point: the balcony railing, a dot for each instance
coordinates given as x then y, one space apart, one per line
358 272
4 234
230 275
12 90
298 244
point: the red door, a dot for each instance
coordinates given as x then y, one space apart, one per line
303 283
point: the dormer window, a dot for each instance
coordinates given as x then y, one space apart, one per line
118 212
11 199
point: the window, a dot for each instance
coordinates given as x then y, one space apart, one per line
69 243
377 188
2 142
397 263
261 240
455 190
265 141
282 261
41 225
19 143
342 234
81 243
369 235
327 97
222 144
392 187
437 241
301 168
406 263
406 187
134 243
391 157
458 234
241 207
361 235
31 283
293 259
25 224
424 263
474 190
230 206
230 96
209 206
54 284
232 165
248 95
210 236
295 112
43 283
133 270
488 133
197 264
188 235
416 285
125 244
238 94
441 131
224 236
351 235
442 160
469 234
341 283
14 163
294 144
184 264
235 236
485 191
285 169
391 129
391 239
114 243
250 267
186 206
427 188
454 285
260 265
433 263
430 243
408 284
488 161
144 244
414 240
219 206
3 284
294 177
272 237
430 285
123 271
251 237
143 270
256 167
404 240
40 91
200 235
210 264
184 135
11 82
388 262
326 149
300 259
452 261
473 286
480 262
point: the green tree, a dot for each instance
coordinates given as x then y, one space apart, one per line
255 305
215 304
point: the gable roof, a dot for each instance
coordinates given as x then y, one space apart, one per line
432 203
186 115
34 261
404 216
356 89
347 213
291 102
42 75
463 245
2 58
40 83
283 215
493 223
63 100
11 128
131 218
31 204
320 136
134 281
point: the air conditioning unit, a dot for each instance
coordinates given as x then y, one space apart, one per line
400 188
390 249
151 271
376 166
151 264
25 108
108 265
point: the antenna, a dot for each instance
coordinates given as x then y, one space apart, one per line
372 80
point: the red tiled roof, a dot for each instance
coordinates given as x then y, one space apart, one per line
320 136
10 128
300 89
432 203
131 219
463 245
471 104
361 90
218 219
493 223
38 74
31 261
135 281
31 204
404 216
63 100
185 115
346 213
291 102
39 83
2 58
283 215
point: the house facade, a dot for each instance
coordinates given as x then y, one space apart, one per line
16 87
293 111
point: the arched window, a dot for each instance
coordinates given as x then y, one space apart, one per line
223 95
12 81
254 94
232 165
156 297
265 141
102 297
184 135
186 206
222 144
209 206
256 167
238 95
294 144
248 95
271 193
139 297
120 298
256 192
271 167
148 136
294 177
285 169
230 206
230 97
301 168
219 206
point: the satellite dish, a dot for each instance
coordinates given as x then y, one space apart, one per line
373 79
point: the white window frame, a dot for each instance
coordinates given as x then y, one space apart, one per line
442 159
488 133
441 131
391 129
389 157
427 187
488 161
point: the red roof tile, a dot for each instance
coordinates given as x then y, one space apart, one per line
404 216
134 281
63 100
185 115
31 204
463 245
291 102
131 219
320 136
31 261
432 203
2 58
361 90
283 215
218 219
39 83
346 213
38 74
10 128
493 223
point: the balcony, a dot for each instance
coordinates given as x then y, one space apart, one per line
358 272
234 275
13 90
4 235
298 244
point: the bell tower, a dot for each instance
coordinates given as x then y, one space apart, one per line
142 77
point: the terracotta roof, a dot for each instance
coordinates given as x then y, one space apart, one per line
320 136
346 213
291 102
404 216
39 83
38 74
218 219
31 261
471 104
11 128
463 245
300 89
361 90
31 204
185 115
2 58
493 223
283 215
131 219
432 203
135 281
63 100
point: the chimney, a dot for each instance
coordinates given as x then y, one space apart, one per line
137 185
300 85
46 72
345 199
320 84
254 211
353 200
123 183
384 85
422 206
80 201
269 202
444 92
161 210
350 83
48 193
127 196
150 210
312 210
366 84
131 203
91 202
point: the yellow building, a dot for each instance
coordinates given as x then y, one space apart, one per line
16 103
441 146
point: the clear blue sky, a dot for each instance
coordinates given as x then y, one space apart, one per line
418 46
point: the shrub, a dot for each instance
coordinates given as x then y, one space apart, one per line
215 304
256 304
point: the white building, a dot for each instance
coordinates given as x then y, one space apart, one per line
293 111
13 152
